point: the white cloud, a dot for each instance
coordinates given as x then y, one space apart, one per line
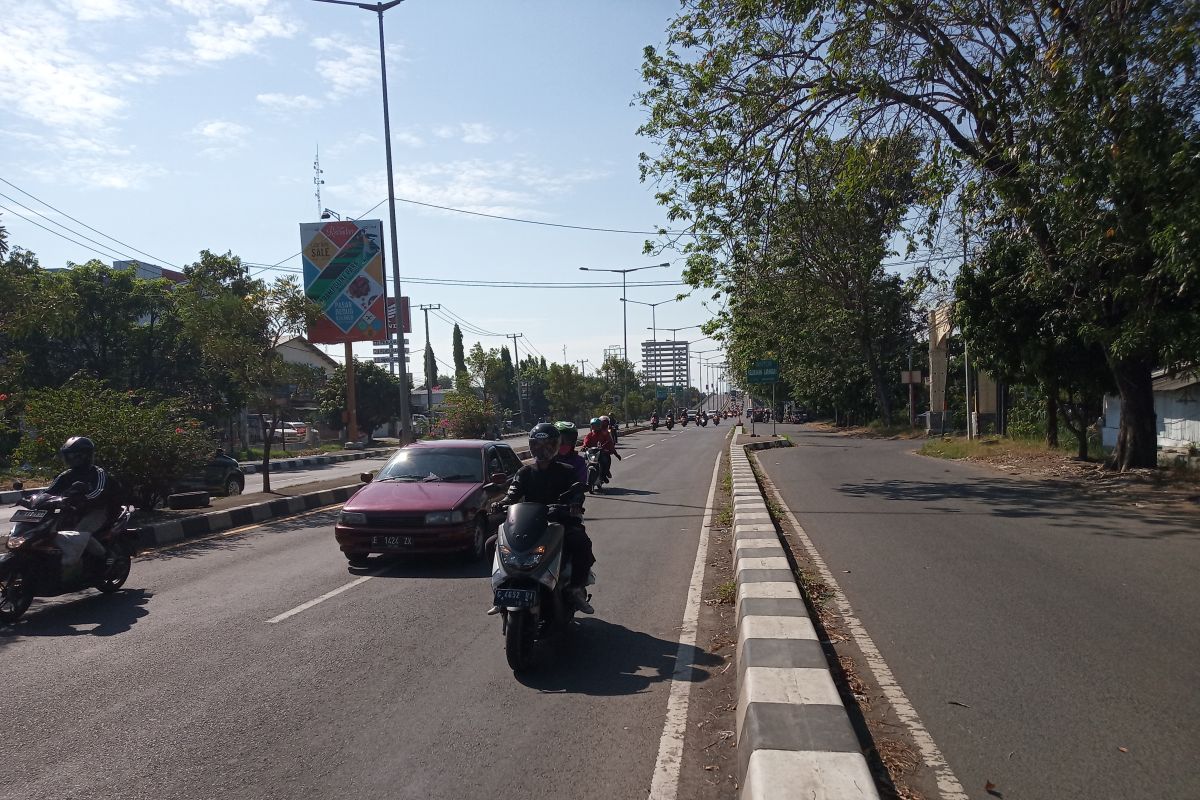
220 130
97 173
343 146
217 39
288 102
349 67
466 132
103 10
407 138
508 188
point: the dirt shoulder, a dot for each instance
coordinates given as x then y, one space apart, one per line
709 767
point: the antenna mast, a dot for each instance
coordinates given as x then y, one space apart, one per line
318 180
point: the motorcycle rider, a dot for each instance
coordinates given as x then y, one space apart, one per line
599 436
611 426
546 480
568 438
79 455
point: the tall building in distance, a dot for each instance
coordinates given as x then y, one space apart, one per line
665 363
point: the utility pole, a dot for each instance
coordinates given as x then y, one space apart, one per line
428 380
582 368
517 364
966 352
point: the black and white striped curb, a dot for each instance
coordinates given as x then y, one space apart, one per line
794 737
307 462
202 524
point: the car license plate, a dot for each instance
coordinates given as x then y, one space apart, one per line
391 541
520 598
33 515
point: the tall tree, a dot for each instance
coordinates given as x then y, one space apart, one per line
430 366
1080 120
460 358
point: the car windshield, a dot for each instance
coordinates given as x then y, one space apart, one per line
435 464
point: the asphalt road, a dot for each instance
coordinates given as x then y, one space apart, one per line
1068 627
397 687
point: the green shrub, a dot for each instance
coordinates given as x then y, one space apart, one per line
147 446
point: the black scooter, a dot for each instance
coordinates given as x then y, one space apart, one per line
530 579
33 565
654 423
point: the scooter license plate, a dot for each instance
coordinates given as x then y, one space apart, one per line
32 515
516 598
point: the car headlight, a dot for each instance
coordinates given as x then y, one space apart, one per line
352 518
521 560
443 517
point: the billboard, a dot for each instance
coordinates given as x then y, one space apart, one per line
343 274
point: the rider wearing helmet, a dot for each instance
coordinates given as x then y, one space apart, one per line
546 480
568 437
599 436
92 500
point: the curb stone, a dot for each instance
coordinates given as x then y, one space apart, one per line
794 737
304 462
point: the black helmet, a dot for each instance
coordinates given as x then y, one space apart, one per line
543 442
79 451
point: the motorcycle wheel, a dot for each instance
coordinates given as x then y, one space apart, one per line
592 481
518 640
16 594
116 575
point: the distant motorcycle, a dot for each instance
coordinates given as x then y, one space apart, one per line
670 422
34 564
654 423
595 468
530 579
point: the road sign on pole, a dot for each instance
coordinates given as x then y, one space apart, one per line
764 370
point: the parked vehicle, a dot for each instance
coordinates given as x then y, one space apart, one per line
222 475
431 497
33 564
291 431
530 578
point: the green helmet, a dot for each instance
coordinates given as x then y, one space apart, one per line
567 434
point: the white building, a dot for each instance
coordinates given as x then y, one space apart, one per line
1176 405
665 363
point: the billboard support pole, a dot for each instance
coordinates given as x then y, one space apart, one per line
351 400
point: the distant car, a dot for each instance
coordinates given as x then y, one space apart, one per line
431 497
221 475
291 431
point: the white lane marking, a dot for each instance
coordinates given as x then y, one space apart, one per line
315 601
631 455
947 782
650 445
665 784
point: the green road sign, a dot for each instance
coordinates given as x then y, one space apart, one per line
661 393
763 371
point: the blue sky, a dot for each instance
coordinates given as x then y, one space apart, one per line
177 125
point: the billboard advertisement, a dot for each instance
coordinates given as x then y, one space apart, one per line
343 274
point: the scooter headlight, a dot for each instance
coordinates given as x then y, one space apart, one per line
15 542
521 560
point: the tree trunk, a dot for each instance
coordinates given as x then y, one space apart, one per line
1052 414
1137 438
881 395
268 438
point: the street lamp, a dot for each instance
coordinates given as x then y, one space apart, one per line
625 321
700 359
405 413
654 336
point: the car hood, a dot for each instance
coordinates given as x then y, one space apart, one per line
398 496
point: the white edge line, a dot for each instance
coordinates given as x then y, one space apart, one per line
948 784
650 445
305 606
665 783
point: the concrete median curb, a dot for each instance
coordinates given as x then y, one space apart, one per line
305 462
794 737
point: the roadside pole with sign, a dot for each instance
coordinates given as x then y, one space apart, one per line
343 274
765 370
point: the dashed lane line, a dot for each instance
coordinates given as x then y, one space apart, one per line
318 600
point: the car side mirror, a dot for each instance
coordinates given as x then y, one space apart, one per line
365 477
498 478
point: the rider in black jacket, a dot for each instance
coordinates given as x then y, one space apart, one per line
546 480
94 502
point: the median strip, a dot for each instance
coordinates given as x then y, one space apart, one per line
794 736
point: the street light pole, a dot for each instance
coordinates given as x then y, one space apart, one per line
654 327
625 324
405 411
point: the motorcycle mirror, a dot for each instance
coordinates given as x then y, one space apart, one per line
497 478
365 477
79 487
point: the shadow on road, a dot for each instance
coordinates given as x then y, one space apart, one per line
434 566
197 548
603 658
1055 505
617 491
93 614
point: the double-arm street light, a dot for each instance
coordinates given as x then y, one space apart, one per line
405 415
625 321
654 337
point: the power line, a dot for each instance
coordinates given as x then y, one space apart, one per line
89 227
482 331
59 235
540 222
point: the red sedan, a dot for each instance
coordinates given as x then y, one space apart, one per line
432 497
